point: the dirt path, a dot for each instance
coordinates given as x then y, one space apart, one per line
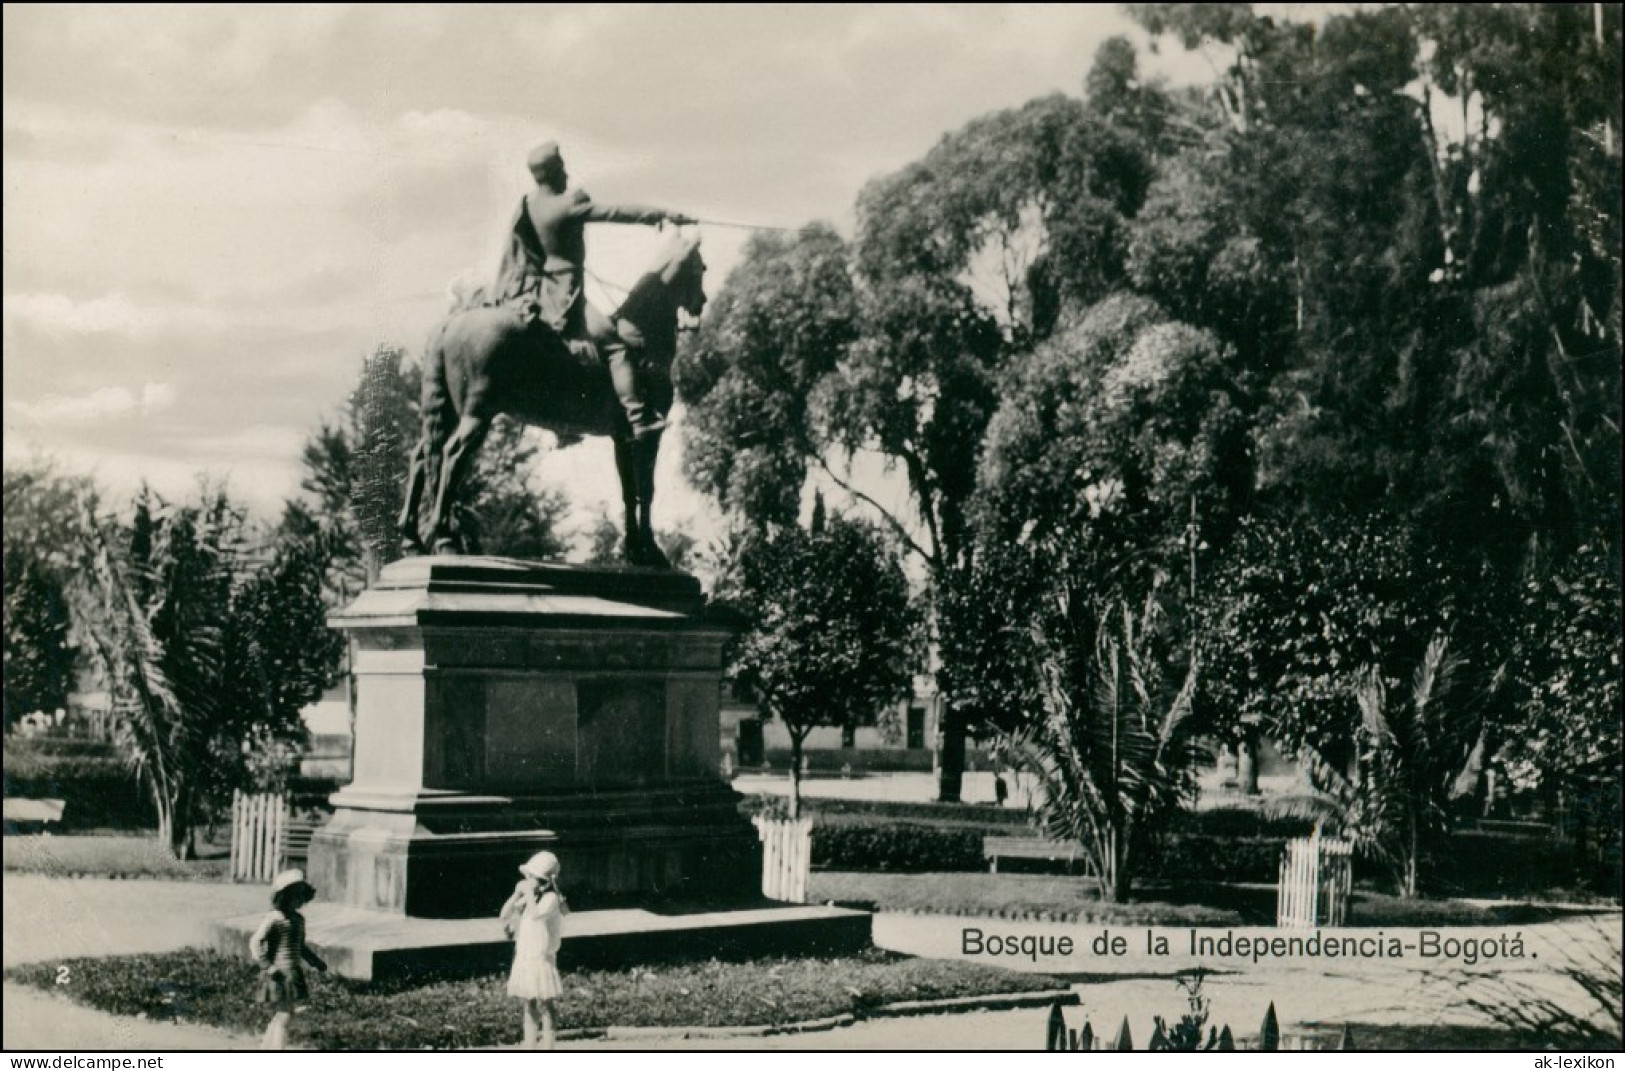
46 919
35 1020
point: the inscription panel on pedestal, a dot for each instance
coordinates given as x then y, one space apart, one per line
530 733
622 731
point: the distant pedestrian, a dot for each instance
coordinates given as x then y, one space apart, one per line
534 917
279 946
1001 791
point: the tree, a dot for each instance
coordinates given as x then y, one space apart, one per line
207 653
1417 749
355 471
829 632
1293 608
814 354
1113 748
280 656
39 653
1560 735
780 326
41 516
604 543
1432 197
1114 426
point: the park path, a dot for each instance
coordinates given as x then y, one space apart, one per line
46 919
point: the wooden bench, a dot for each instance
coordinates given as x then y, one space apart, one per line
32 816
996 848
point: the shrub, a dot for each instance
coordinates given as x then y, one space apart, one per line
100 791
1198 857
904 847
998 819
60 747
1241 822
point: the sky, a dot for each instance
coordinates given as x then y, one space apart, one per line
212 213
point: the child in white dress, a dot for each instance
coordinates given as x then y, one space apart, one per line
534 916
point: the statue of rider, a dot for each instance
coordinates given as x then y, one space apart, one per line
542 272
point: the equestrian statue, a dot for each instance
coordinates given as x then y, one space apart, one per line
540 352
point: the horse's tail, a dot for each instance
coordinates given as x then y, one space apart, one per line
435 408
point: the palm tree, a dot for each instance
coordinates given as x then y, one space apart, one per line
153 603
1112 747
1414 753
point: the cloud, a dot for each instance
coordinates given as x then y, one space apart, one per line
108 403
113 313
236 203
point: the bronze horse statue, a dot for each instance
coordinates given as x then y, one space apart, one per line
485 360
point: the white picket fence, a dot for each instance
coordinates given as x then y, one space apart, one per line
786 857
257 824
1317 876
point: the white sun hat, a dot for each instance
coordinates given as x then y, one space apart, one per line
542 865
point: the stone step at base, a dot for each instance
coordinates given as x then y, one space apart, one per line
372 945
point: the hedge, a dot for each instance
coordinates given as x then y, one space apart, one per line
907 847
979 815
100 790
898 847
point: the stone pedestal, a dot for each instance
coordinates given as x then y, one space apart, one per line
503 707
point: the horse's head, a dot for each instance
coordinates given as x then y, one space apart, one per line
682 269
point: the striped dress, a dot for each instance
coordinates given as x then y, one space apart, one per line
279 946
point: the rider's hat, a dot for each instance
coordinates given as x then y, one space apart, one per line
545 159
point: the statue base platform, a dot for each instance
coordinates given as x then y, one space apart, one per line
455 855
375 946
503 707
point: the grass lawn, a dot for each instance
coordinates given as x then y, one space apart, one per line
205 987
1061 898
109 856
1051 897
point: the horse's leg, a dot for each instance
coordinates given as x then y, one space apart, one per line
455 464
439 416
645 452
630 549
417 476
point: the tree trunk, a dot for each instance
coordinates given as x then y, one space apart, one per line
795 774
1408 892
951 759
1247 766
164 807
1122 873
180 825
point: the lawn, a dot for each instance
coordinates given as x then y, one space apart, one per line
115 855
205 987
1060 898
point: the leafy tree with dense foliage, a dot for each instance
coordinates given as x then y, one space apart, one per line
1405 221
1562 736
1425 204
605 543
42 510
1294 609
829 628
815 354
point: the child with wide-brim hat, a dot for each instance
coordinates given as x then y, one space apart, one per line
534 917
279 946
